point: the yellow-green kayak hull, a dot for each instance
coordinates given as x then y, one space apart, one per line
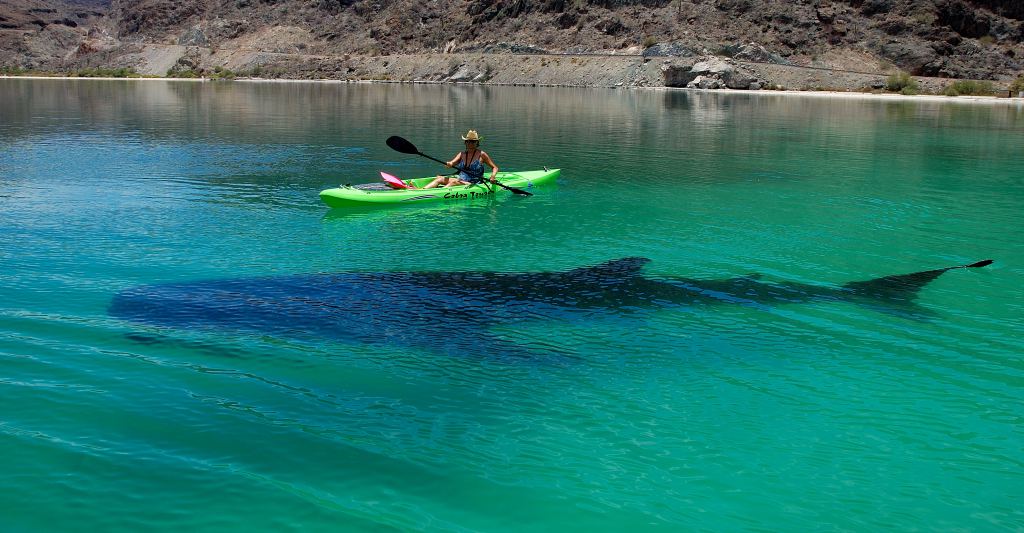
356 196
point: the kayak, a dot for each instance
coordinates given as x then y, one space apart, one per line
378 193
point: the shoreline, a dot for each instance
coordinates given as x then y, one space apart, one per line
849 95
853 95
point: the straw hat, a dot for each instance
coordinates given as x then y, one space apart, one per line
471 135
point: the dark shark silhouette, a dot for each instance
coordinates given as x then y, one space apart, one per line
452 312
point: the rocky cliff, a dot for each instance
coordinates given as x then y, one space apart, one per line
976 39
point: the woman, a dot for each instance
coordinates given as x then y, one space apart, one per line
470 164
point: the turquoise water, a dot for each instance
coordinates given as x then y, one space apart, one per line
820 415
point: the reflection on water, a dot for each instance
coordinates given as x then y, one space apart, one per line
423 214
333 133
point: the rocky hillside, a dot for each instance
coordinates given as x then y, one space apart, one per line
44 33
976 39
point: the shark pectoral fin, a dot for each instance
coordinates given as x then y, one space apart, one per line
614 269
156 341
903 309
473 343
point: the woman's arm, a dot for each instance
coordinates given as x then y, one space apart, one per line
487 159
454 160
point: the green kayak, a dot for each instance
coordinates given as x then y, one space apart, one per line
377 194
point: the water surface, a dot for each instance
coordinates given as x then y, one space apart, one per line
823 415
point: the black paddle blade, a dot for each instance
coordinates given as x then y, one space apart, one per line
399 144
513 190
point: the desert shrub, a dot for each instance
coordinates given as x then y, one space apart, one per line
923 18
221 73
254 72
105 73
187 73
1017 86
649 41
14 71
901 82
969 88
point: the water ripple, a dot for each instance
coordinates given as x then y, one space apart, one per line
180 317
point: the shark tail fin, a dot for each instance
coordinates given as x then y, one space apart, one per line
903 286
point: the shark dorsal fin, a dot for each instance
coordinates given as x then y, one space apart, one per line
615 269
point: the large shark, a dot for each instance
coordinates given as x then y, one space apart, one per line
453 312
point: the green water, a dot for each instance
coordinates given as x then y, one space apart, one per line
809 416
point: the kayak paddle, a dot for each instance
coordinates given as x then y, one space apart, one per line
399 144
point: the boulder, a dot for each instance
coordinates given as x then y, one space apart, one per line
709 73
910 55
674 49
724 73
826 13
222 29
193 36
705 82
677 74
756 53
739 80
464 73
712 66
874 7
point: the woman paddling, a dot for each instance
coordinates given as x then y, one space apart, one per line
470 164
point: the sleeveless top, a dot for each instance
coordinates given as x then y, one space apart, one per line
475 168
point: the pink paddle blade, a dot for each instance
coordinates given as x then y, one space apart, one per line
393 182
